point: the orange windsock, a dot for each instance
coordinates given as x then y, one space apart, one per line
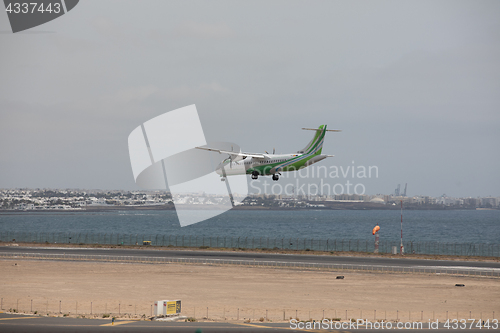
377 228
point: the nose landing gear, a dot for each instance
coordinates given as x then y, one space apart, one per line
276 177
255 175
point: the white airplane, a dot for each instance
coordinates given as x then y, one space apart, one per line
239 163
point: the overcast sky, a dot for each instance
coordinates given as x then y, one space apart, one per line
414 85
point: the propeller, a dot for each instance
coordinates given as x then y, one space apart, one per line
231 159
274 151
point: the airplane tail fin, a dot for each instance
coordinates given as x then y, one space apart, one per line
316 144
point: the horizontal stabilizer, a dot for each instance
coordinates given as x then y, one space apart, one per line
315 129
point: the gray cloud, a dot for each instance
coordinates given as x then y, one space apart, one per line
414 85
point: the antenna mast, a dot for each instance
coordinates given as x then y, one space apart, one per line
401 249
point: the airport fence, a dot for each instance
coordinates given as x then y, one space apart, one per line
89 308
303 244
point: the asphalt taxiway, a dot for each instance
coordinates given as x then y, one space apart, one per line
11 323
381 263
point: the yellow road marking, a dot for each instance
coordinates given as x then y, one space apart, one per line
17 318
119 323
136 326
253 325
275 327
52 325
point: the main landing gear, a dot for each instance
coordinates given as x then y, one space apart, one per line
255 175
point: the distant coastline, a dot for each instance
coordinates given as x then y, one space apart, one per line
41 200
334 206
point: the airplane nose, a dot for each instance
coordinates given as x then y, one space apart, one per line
218 170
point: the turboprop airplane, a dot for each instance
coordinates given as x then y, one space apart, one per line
239 163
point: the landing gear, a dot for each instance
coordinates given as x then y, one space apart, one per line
255 175
276 177
223 179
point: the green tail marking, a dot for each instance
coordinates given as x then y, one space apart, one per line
316 142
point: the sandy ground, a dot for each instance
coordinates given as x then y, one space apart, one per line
131 289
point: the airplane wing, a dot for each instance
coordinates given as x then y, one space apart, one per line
233 153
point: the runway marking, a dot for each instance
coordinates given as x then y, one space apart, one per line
16 318
119 323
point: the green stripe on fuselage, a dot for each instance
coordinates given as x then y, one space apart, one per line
266 168
300 160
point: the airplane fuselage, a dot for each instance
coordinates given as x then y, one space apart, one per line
257 164
269 165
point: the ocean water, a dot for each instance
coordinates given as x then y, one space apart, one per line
453 226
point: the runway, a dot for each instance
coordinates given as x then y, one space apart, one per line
269 259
